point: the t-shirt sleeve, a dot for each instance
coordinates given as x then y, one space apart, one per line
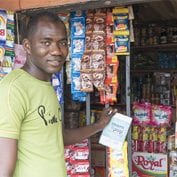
12 110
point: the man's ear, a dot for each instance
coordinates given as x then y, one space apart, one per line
26 46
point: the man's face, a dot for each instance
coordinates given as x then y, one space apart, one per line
48 48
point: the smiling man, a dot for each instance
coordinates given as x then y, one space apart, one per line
31 135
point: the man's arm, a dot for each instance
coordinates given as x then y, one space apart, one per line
8 156
72 136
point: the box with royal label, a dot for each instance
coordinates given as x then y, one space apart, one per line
149 165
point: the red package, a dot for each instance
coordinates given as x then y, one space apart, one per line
79 167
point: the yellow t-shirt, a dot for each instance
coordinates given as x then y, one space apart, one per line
30 113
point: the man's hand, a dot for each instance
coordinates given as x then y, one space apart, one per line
72 136
105 117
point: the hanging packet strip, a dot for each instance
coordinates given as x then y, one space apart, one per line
121 31
77 25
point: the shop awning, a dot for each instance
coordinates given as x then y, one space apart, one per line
17 5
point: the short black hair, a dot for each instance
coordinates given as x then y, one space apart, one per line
33 21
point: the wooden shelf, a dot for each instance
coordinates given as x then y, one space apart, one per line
159 47
153 70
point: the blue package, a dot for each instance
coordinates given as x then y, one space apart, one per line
78 27
57 84
78 13
121 22
121 44
78 46
81 97
76 63
75 83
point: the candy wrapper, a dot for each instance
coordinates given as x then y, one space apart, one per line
98 61
75 83
76 63
98 41
122 45
78 27
86 62
77 46
88 42
86 82
98 80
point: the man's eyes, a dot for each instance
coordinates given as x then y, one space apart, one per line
60 43
63 43
46 43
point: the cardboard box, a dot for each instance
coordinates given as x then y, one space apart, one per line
149 165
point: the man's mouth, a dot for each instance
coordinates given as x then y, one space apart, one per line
55 63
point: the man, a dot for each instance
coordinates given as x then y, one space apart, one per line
31 136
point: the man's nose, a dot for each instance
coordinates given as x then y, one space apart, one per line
56 49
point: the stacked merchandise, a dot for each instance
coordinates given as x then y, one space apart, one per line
149 138
94 62
155 88
153 34
97 37
6 42
77 160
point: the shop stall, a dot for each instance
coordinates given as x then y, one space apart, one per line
122 54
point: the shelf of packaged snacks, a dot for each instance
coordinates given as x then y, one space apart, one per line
161 47
114 105
153 70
